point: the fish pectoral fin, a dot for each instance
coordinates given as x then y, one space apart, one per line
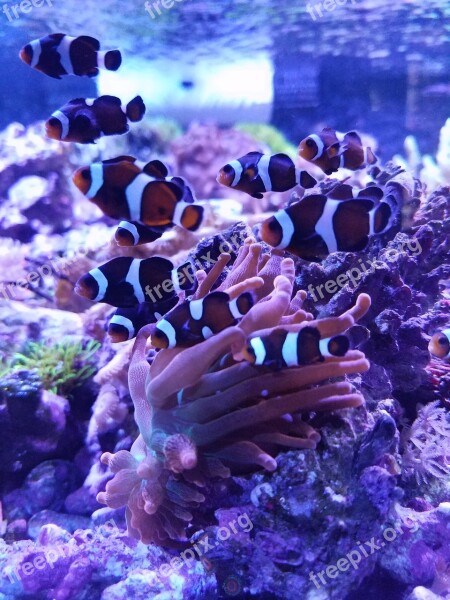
251 172
333 150
336 149
257 195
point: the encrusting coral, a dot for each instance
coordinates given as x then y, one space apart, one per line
203 414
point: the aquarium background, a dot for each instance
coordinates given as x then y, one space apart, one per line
220 79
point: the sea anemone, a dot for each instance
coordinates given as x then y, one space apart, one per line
204 413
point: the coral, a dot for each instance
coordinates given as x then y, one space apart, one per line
270 136
116 370
107 413
427 444
60 367
203 415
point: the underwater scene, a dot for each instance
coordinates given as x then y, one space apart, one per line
225 300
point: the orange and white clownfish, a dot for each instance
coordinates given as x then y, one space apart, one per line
58 54
126 281
125 189
282 348
85 120
332 151
318 225
126 322
257 173
193 321
439 345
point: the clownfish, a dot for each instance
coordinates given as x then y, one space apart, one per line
439 345
193 321
331 151
85 120
133 233
318 225
126 281
124 189
282 348
257 173
58 54
126 322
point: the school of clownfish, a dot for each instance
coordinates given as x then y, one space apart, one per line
148 201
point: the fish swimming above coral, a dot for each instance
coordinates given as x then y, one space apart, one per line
123 188
126 281
193 321
58 54
439 344
331 151
85 120
284 348
343 220
257 173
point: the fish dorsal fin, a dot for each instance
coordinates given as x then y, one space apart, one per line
57 37
216 297
188 195
156 168
124 157
342 192
353 136
283 157
77 101
372 192
112 100
90 41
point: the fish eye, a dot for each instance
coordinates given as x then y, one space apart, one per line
161 210
228 169
53 122
442 341
85 174
310 143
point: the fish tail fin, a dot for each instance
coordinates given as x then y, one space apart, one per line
190 215
381 218
338 345
305 180
136 109
110 60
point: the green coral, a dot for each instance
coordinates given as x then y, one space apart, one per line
60 367
270 136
